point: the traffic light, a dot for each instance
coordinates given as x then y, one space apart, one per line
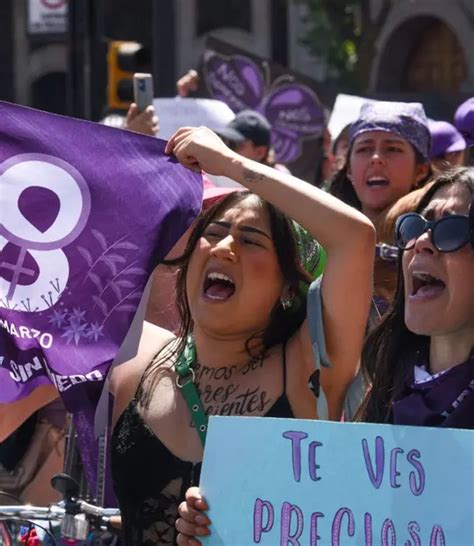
123 60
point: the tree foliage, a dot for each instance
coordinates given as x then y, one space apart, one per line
343 33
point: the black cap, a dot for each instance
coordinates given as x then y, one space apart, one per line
247 125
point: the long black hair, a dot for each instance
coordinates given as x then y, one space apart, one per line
383 362
282 324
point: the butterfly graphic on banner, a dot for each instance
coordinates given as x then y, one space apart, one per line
292 108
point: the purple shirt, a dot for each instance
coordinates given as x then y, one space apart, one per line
445 400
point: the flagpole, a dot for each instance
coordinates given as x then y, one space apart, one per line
72 465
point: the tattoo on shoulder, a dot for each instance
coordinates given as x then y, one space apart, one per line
252 177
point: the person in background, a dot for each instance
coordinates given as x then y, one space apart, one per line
249 134
334 156
447 146
388 157
187 84
327 165
340 147
464 120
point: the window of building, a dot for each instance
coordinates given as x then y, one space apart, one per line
436 62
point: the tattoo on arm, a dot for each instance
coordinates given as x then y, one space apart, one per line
252 177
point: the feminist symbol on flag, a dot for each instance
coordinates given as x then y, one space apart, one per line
45 204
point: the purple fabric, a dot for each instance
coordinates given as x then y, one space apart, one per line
444 401
86 213
89 451
405 119
464 120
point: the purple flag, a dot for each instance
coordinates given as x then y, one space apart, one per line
288 100
86 213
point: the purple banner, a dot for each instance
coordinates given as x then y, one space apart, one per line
86 213
288 100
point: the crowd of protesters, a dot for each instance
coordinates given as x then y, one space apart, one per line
409 176
231 303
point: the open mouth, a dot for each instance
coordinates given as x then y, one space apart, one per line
218 286
426 285
377 182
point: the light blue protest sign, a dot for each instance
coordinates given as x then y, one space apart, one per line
294 482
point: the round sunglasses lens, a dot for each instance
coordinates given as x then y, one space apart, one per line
451 234
410 228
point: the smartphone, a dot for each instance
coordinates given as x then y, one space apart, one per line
143 90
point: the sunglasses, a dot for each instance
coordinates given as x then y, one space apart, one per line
448 234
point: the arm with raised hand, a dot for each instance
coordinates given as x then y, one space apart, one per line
188 83
346 234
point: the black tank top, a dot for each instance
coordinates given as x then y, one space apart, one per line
150 482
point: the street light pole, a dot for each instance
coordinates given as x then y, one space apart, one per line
86 80
77 92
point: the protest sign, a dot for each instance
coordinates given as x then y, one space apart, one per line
287 99
346 110
86 213
317 483
186 112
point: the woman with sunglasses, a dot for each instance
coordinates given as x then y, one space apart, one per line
420 359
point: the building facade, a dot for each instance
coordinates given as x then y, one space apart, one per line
33 44
423 50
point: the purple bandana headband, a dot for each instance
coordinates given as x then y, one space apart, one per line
405 119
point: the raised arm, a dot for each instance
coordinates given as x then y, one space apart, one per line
346 234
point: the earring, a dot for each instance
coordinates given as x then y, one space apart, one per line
286 303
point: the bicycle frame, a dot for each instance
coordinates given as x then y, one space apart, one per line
78 522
